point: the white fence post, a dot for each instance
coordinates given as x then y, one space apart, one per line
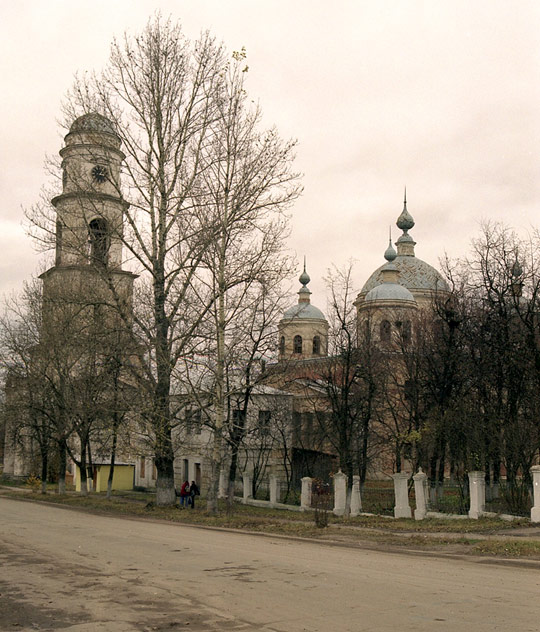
305 499
248 493
402 508
274 489
535 509
477 488
356 498
420 479
340 493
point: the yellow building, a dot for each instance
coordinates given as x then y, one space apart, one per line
123 477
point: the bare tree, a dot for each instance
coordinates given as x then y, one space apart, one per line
197 175
250 344
26 410
246 184
503 288
352 379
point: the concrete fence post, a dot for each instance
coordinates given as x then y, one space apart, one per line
356 498
248 487
420 487
274 489
340 493
305 498
402 509
477 489
535 509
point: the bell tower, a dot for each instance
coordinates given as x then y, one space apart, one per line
89 222
303 330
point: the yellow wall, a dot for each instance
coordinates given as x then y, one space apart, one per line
122 479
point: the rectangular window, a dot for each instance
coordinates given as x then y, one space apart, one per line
238 417
264 422
154 471
297 426
308 428
197 422
193 421
143 467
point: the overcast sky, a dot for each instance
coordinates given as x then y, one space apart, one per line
441 96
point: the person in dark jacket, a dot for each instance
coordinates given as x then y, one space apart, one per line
193 491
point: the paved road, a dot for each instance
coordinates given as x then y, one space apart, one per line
66 570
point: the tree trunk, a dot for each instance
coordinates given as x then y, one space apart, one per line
111 469
364 453
219 404
232 476
44 466
165 494
82 469
90 466
62 457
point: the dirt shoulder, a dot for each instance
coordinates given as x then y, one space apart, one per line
491 538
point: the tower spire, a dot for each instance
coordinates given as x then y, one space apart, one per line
405 244
304 277
390 254
303 293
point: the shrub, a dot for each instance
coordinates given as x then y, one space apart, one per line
33 482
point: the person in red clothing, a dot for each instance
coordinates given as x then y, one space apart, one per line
184 494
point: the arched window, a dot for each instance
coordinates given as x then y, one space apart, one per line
385 331
99 241
404 328
282 345
316 345
297 344
406 333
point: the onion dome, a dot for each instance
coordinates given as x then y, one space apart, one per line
414 274
516 282
405 221
390 290
390 254
304 309
93 122
516 270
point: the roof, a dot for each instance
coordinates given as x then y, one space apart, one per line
414 274
389 292
303 310
92 122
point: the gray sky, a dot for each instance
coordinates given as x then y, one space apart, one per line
443 97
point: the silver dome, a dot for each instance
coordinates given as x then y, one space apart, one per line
304 310
389 292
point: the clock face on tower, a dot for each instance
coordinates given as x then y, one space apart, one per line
100 173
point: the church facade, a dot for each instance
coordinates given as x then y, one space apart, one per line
87 291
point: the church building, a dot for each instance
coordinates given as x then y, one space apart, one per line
87 292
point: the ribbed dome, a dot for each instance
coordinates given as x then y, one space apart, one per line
414 274
92 122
